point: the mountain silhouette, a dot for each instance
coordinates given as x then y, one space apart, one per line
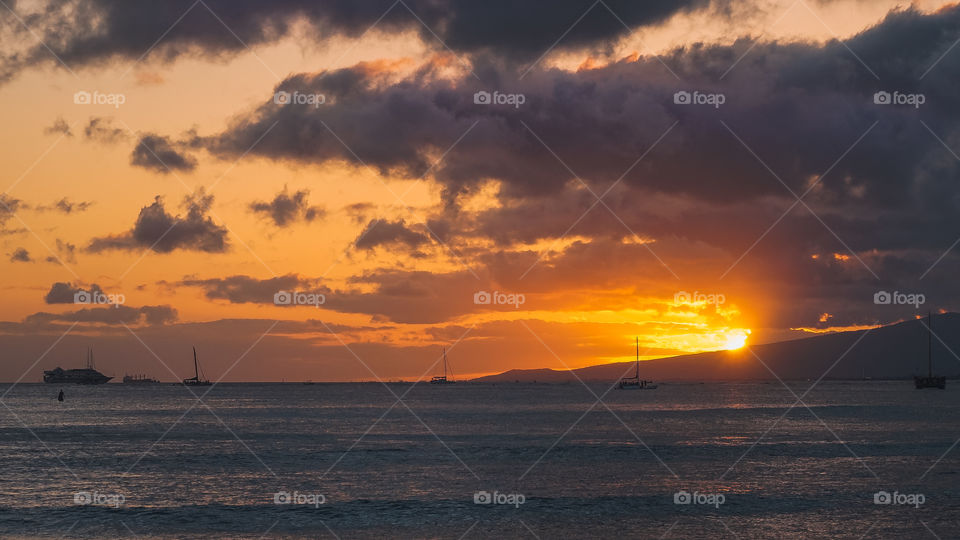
896 351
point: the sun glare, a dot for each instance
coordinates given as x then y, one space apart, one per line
737 339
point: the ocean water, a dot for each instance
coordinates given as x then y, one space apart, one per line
480 460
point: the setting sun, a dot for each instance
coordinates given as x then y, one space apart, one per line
736 339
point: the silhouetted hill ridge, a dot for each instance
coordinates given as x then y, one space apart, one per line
888 352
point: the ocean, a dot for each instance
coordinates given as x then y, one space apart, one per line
865 459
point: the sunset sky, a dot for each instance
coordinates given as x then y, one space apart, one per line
233 150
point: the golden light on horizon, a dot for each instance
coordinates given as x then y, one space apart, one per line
736 339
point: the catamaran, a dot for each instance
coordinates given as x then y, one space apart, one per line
930 381
196 380
634 383
442 379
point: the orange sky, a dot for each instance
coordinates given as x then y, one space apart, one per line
581 307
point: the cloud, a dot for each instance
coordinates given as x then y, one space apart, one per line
162 232
382 232
286 209
65 252
599 122
102 130
8 207
158 153
111 315
60 126
65 293
93 32
66 206
20 255
413 297
241 289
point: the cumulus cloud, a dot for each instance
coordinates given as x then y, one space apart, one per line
20 255
382 232
163 232
89 32
286 208
159 153
65 293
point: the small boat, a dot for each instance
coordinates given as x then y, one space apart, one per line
87 375
634 383
139 379
931 380
196 380
442 379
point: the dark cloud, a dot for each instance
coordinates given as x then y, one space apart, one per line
382 232
158 153
8 207
102 130
241 289
60 126
66 293
358 212
91 32
286 209
797 106
162 232
20 255
401 296
66 206
110 315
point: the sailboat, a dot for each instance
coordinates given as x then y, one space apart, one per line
442 379
196 380
634 383
930 381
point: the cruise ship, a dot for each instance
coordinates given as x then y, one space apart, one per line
87 375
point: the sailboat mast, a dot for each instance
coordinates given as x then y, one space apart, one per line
638 357
196 367
444 362
929 345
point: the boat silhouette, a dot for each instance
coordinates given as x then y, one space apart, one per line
634 383
139 379
87 375
931 380
196 380
442 379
